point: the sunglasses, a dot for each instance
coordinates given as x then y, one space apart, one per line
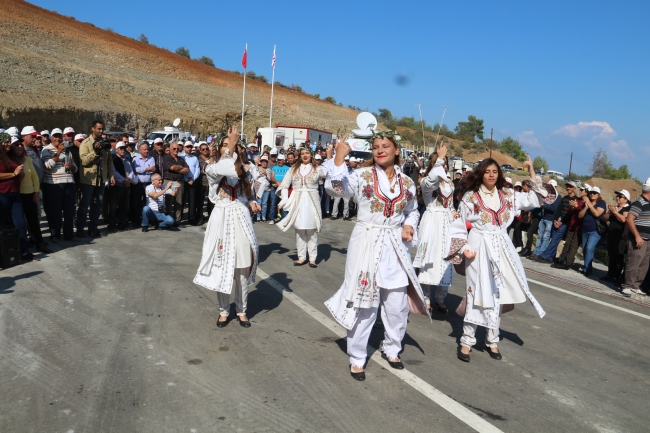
593 192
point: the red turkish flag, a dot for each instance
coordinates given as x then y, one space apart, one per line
244 58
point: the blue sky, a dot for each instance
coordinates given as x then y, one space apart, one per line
561 76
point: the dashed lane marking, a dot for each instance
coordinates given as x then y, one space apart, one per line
447 403
568 292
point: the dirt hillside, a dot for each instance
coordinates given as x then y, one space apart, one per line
56 71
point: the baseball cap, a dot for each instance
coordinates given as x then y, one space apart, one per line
509 180
624 193
28 130
347 157
12 131
572 184
131 139
466 167
158 140
56 131
45 132
264 158
273 152
15 139
517 183
553 182
595 189
68 130
120 144
318 157
78 137
281 156
251 145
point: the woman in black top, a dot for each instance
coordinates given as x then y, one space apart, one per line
616 215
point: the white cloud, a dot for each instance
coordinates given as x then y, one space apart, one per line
591 131
528 139
620 149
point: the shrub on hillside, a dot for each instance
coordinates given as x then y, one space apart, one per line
182 51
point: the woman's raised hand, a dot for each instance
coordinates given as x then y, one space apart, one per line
442 151
342 150
233 136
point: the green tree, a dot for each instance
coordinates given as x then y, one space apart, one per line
330 99
143 39
512 147
385 116
539 163
206 60
182 51
602 167
470 130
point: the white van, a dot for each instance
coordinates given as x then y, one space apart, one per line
557 174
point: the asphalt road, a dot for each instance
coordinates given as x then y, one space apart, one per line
111 335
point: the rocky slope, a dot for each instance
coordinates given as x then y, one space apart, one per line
56 71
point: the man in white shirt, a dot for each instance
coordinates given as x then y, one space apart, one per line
155 208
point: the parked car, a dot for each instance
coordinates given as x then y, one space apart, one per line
507 167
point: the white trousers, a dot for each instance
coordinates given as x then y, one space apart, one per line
439 295
346 207
469 336
307 241
394 315
241 294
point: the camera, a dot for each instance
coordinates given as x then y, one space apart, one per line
102 145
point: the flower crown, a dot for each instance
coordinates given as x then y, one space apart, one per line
390 134
4 137
219 136
307 148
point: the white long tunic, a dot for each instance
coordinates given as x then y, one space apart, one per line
496 275
377 256
304 203
437 193
230 241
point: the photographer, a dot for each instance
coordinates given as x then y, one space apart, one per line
96 172
59 190
411 167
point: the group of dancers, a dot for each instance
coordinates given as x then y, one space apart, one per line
379 271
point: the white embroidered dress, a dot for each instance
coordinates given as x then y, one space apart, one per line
377 256
303 204
433 245
496 275
230 241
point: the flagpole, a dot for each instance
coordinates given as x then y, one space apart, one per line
243 100
272 85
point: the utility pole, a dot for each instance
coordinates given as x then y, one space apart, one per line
435 148
422 124
491 131
570 166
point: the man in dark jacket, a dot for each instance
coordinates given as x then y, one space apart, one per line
559 227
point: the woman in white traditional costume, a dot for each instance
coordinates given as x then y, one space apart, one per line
378 269
495 277
303 205
433 246
230 249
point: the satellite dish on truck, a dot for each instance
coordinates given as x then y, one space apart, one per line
367 124
176 122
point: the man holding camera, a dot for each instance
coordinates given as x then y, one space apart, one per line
96 172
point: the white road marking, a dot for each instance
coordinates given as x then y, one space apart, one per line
645 316
447 403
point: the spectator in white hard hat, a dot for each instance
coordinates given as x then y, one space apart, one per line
638 242
616 215
252 151
120 194
68 136
59 190
29 134
45 137
591 232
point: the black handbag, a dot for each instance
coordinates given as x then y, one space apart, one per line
601 227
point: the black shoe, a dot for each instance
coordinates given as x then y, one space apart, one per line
72 240
297 263
95 234
524 252
41 248
80 234
361 376
244 323
201 221
312 265
494 355
145 229
563 266
27 257
221 324
605 278
333 218
111 229
346 218
442 310
54 240
462 356
395 364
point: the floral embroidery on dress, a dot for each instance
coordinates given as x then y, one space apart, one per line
367 294
399 207
506 216
337 186
376 206
367 176
486 218
219 249
367 191
223 194
422 250
469 289
454 251
409 195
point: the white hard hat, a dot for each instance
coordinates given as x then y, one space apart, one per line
28 130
